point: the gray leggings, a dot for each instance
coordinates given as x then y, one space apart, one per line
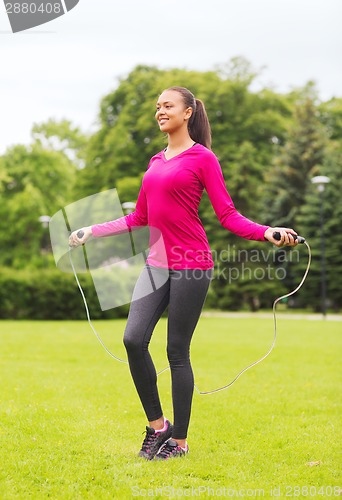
184 291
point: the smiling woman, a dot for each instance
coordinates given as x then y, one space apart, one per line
180 261
194 115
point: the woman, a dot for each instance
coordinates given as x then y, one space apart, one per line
168 201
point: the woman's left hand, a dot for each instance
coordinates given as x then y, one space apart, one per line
75 241
286 236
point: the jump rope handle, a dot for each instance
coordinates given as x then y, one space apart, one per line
276 236
80 234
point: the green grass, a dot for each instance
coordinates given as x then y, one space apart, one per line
71 424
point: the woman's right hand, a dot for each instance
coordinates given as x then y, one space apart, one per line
75 241
286 236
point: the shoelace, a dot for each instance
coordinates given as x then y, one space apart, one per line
168 450
148 441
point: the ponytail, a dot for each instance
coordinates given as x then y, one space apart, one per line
198 125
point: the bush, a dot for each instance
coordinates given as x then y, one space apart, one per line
49 294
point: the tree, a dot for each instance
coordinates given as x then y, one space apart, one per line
34 182
309 218
299 159
330 114
61 136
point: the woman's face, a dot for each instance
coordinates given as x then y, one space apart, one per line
171 112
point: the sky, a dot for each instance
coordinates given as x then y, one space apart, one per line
63 68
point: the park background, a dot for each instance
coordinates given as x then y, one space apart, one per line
270 146
77 117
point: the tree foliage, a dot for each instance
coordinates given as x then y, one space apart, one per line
298 159
35 180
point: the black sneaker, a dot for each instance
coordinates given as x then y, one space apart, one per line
171 449
154 440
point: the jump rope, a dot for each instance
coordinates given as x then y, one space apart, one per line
276 236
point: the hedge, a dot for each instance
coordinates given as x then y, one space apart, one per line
49 294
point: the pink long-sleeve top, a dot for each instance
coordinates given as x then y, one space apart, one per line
168 203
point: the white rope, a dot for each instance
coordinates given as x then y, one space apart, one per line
275 332
88 315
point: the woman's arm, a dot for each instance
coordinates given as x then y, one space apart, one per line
229 217
138 218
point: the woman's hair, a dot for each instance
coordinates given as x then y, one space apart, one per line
198 125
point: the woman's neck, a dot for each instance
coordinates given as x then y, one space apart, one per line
179 140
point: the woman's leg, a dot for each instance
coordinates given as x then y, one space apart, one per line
145 310
188 290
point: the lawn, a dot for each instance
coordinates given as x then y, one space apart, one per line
71 424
